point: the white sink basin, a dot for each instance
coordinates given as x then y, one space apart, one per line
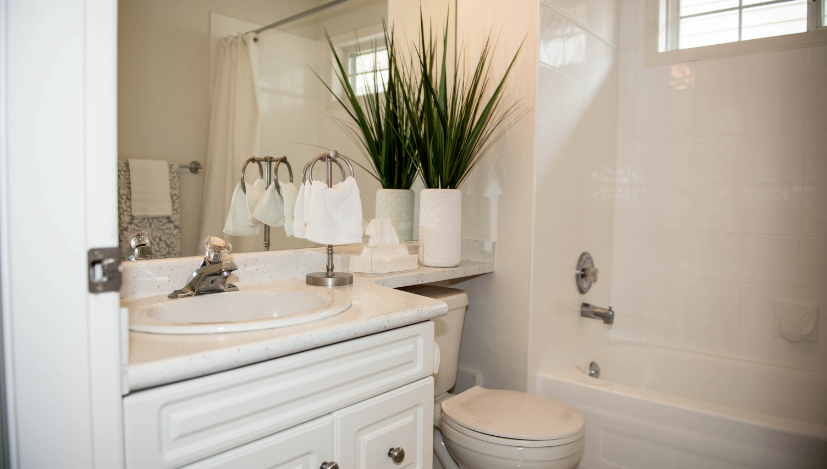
236 311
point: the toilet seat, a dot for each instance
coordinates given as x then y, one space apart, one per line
512 418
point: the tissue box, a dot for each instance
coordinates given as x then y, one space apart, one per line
384 260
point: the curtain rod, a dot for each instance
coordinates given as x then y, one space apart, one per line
299 16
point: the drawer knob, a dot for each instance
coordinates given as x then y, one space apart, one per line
397 455
329 465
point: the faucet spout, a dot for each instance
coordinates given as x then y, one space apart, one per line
595 312
211 276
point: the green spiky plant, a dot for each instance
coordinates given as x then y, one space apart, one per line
454 124
378 124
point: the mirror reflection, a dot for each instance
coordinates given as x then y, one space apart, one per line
203 86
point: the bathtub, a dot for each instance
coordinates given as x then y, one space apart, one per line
663 408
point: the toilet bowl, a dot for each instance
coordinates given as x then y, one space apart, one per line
491 428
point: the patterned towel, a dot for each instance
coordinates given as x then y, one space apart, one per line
165 232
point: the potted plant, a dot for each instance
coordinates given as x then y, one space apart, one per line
380 128
454 123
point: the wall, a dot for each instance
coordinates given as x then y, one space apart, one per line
721 199
574 161
497 201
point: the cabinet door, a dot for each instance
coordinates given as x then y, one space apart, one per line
402 418
305 446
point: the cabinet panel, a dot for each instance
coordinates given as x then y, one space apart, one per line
306 446
402 418
181 423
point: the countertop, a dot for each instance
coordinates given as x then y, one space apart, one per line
157 359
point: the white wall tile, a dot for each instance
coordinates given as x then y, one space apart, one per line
598 206
547 205
816 99
665 251
669 206
665 298
546 253
628 250
627 293
632 22
712 340
722 111
727 71
782 65
714 304
543 311
758 307
815 157
773 209
811 271
669 161
670 114
720 159
770 260
548 150
717 256
718 207
776 107
775 158
817 62
814 211
550 95
665 333
626 328
769 349
631 162
630 206
574 101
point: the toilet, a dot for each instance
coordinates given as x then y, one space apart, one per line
492 428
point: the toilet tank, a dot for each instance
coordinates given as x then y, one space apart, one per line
447 332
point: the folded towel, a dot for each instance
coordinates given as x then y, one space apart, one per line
149 181
335 213
270 207
290 194
238 221
254 194
300 213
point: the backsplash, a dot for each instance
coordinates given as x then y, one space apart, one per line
721 201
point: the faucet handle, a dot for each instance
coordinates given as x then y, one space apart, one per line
216 249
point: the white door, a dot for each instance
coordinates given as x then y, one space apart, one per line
57 200
401 420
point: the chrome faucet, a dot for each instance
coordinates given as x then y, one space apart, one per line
211 276
139 247
595 312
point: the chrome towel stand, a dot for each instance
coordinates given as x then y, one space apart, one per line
266 172
329 278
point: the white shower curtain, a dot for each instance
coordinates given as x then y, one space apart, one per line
235 128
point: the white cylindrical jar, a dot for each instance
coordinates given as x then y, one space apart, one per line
398 205
440 227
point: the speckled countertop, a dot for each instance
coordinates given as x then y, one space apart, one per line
157 359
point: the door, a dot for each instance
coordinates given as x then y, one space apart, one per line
401 420
57 200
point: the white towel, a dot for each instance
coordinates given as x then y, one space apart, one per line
270 207
301 211
254 194
335 213
290 195
149 182
238 222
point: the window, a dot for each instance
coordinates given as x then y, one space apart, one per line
368 70
686 24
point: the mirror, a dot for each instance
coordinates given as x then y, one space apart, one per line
185 102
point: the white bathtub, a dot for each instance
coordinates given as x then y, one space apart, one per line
663 408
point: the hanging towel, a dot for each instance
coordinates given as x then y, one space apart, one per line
238 221
301 211
335 213
254 193
270 207
165 231
290 195
149 181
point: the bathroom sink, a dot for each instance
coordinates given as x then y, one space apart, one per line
236 311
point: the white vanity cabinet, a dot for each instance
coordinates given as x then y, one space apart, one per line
348 403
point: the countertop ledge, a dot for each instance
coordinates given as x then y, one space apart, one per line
157 359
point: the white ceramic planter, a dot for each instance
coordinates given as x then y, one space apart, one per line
398 205
440 227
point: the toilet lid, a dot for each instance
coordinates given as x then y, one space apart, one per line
513 414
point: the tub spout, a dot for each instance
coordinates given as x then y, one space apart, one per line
595 312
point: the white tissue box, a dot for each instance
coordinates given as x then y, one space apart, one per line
387 259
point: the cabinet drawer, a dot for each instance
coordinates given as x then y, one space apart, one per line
402 418
306 446
183 422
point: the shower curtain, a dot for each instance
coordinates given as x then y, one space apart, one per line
235 127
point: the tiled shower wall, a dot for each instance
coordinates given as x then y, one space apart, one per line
574 169
721 200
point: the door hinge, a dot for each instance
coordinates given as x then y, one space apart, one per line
104 270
